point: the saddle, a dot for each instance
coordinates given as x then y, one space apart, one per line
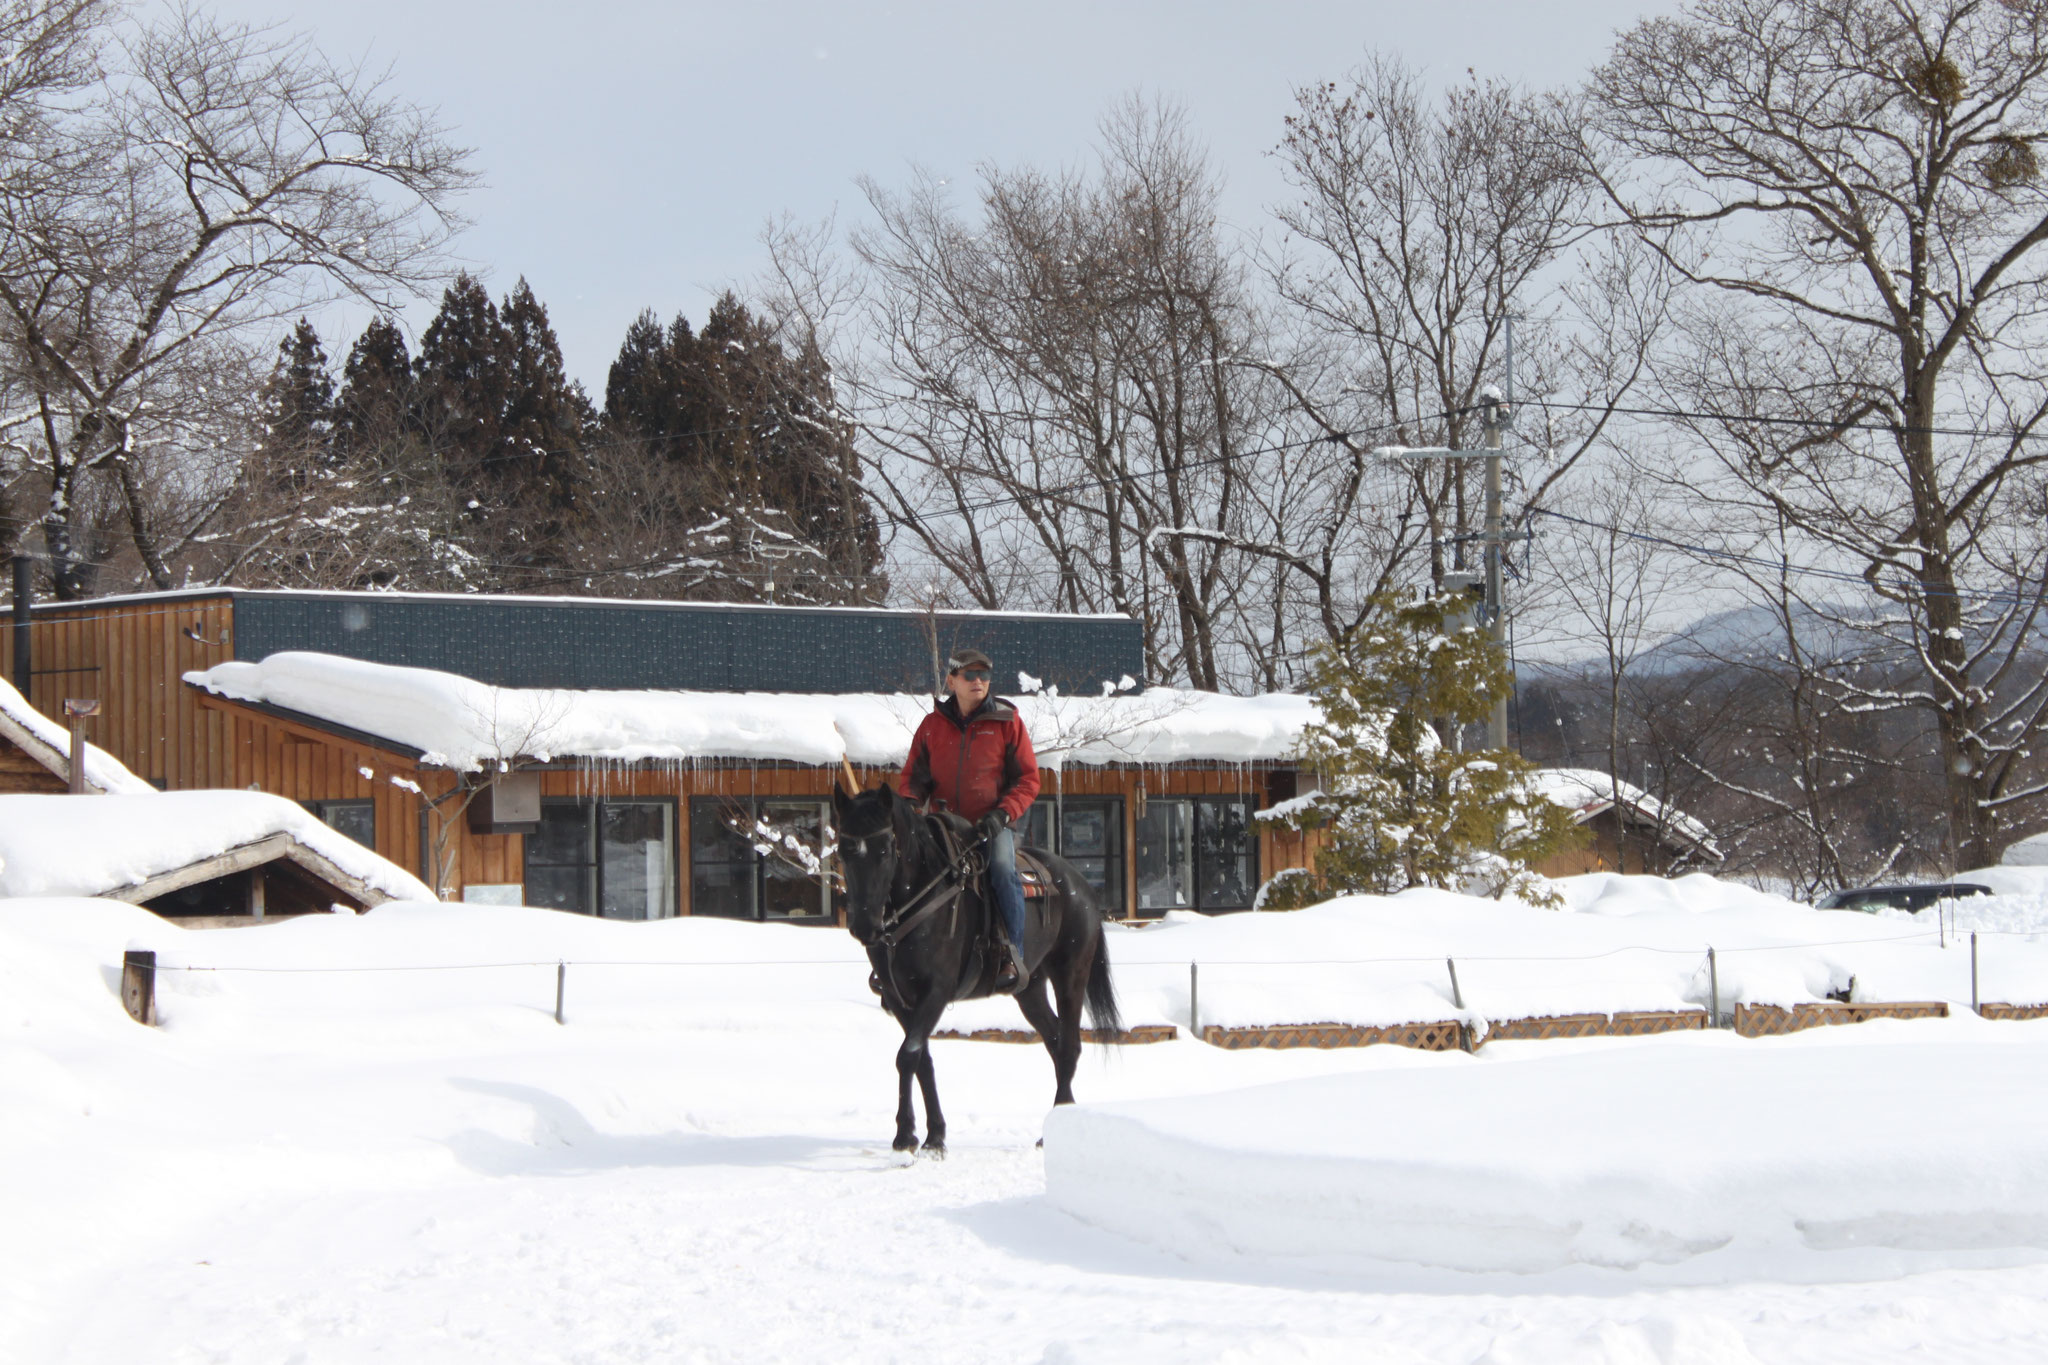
957 836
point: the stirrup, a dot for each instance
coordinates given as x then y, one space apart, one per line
1019 970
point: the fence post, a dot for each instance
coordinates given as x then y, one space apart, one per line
1714 991
561 987
1973 971
1195 1001
1457 996
138 985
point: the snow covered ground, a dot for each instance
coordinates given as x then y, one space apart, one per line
351 1148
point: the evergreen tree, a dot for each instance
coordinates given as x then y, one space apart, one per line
374 408
765 458
461 380
543 423
1403 802
298 409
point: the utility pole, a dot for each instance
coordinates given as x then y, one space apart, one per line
1497 416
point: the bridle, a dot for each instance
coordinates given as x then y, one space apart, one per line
923 903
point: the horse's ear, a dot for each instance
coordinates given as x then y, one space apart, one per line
888 791
838 802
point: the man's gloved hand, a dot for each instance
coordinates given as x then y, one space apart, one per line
994 823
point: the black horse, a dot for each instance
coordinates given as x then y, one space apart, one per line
927 924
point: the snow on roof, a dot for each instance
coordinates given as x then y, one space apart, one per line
46 740
97 845
1586 792
460 723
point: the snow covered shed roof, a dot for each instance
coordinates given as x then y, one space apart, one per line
592 642
458 722
137 848
1587 792
48 744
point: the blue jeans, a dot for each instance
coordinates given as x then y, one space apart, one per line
1008 886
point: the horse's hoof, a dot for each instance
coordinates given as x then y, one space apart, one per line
935 1150
905 1144
1041 1142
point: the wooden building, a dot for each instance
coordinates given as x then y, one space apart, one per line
623 837
35 756
1150 796
1632 831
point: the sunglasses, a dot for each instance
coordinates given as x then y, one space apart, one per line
976 674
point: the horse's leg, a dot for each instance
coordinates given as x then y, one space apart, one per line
1068 987
906 1118
1039 1014
934 1117
914 1059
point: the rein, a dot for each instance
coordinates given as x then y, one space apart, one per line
925 901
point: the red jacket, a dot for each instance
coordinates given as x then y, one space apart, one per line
975 765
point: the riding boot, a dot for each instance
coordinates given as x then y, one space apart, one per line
1017 976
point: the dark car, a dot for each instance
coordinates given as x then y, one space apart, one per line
1911 898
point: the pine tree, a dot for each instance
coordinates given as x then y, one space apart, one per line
545 417
764 459
374 408
298 410
1403 802
461 380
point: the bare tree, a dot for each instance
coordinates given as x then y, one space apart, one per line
219 178
1858 186
1423 226
1061 397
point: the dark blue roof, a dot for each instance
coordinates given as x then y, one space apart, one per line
590 643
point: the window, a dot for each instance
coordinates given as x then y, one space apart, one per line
1088 831
611 858
1196 853
731 876
356 819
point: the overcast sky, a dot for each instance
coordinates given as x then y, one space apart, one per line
633 149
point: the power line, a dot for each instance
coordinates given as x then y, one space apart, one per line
1785 567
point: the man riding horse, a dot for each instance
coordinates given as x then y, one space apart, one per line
972 756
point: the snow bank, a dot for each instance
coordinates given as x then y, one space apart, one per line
1621 943
1618 1158
95 845
21 722
464 724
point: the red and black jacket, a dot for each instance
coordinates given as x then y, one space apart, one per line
973 765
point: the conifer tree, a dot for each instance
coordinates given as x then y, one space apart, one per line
1403 802
374 407
761 454
298 409
544 419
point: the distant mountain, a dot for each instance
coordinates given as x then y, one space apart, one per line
1755 635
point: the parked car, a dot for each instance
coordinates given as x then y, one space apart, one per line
1912 898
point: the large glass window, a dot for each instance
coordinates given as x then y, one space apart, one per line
1196 853
612 858
743 864
1088 831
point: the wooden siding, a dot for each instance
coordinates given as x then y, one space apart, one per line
308 764
130 657
21 773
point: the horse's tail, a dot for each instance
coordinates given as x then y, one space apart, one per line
1101 995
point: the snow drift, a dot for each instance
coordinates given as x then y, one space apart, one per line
1615 1158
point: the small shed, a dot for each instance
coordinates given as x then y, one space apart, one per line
35 755
1632 830
208 856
